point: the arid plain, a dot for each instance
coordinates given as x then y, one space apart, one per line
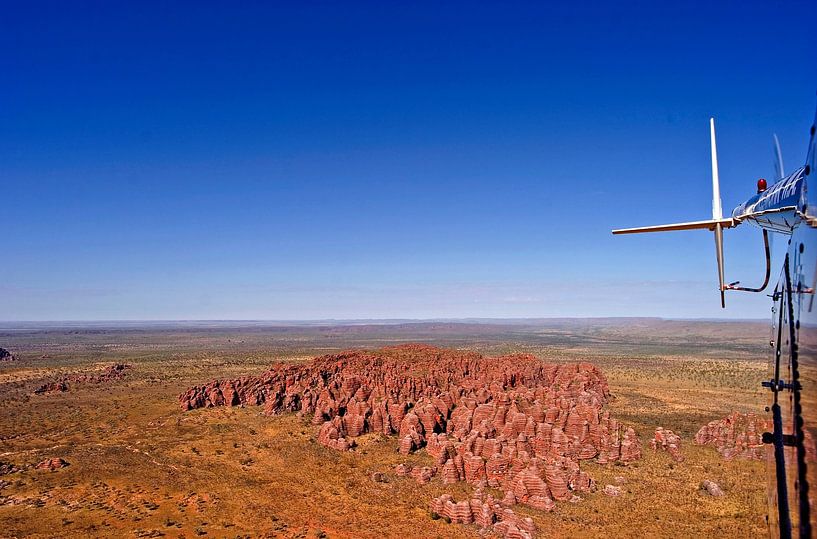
140 466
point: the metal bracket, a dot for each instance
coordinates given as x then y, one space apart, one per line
788 439
734 286
780 385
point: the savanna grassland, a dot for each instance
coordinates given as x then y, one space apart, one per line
140 467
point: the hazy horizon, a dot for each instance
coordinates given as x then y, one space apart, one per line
367 321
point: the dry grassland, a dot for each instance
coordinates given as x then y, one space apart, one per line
139 467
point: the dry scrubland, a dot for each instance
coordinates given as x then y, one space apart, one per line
141 467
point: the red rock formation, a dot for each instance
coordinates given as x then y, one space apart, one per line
630 446
668 441
110 373
423 475
450 473
51 464
486 513
512 422
529 488
735 436
330 436
52 387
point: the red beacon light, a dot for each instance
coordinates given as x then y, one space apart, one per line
761 185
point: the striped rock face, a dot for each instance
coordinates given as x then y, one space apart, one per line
486 513
735 436
512 422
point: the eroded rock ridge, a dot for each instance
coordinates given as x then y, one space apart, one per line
513 422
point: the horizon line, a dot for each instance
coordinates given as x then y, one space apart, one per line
373 320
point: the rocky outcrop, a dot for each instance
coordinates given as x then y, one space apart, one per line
735 436
402 470
711 488
331 435
51 464
740 436
630 446
486 513
668 441
64 383
515 423
52 387
8 468
5 355
108 374
379 477
423 475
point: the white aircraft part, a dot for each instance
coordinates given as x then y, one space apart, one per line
717 210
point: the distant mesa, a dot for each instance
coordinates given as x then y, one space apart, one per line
5 355
514 423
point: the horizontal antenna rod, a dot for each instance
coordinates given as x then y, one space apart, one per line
692 225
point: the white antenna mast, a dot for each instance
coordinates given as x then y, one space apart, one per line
717 209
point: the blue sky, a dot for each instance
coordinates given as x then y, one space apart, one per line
324 160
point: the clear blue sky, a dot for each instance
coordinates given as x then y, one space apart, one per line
250 160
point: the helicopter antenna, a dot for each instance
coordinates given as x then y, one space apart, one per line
716 224
717 210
